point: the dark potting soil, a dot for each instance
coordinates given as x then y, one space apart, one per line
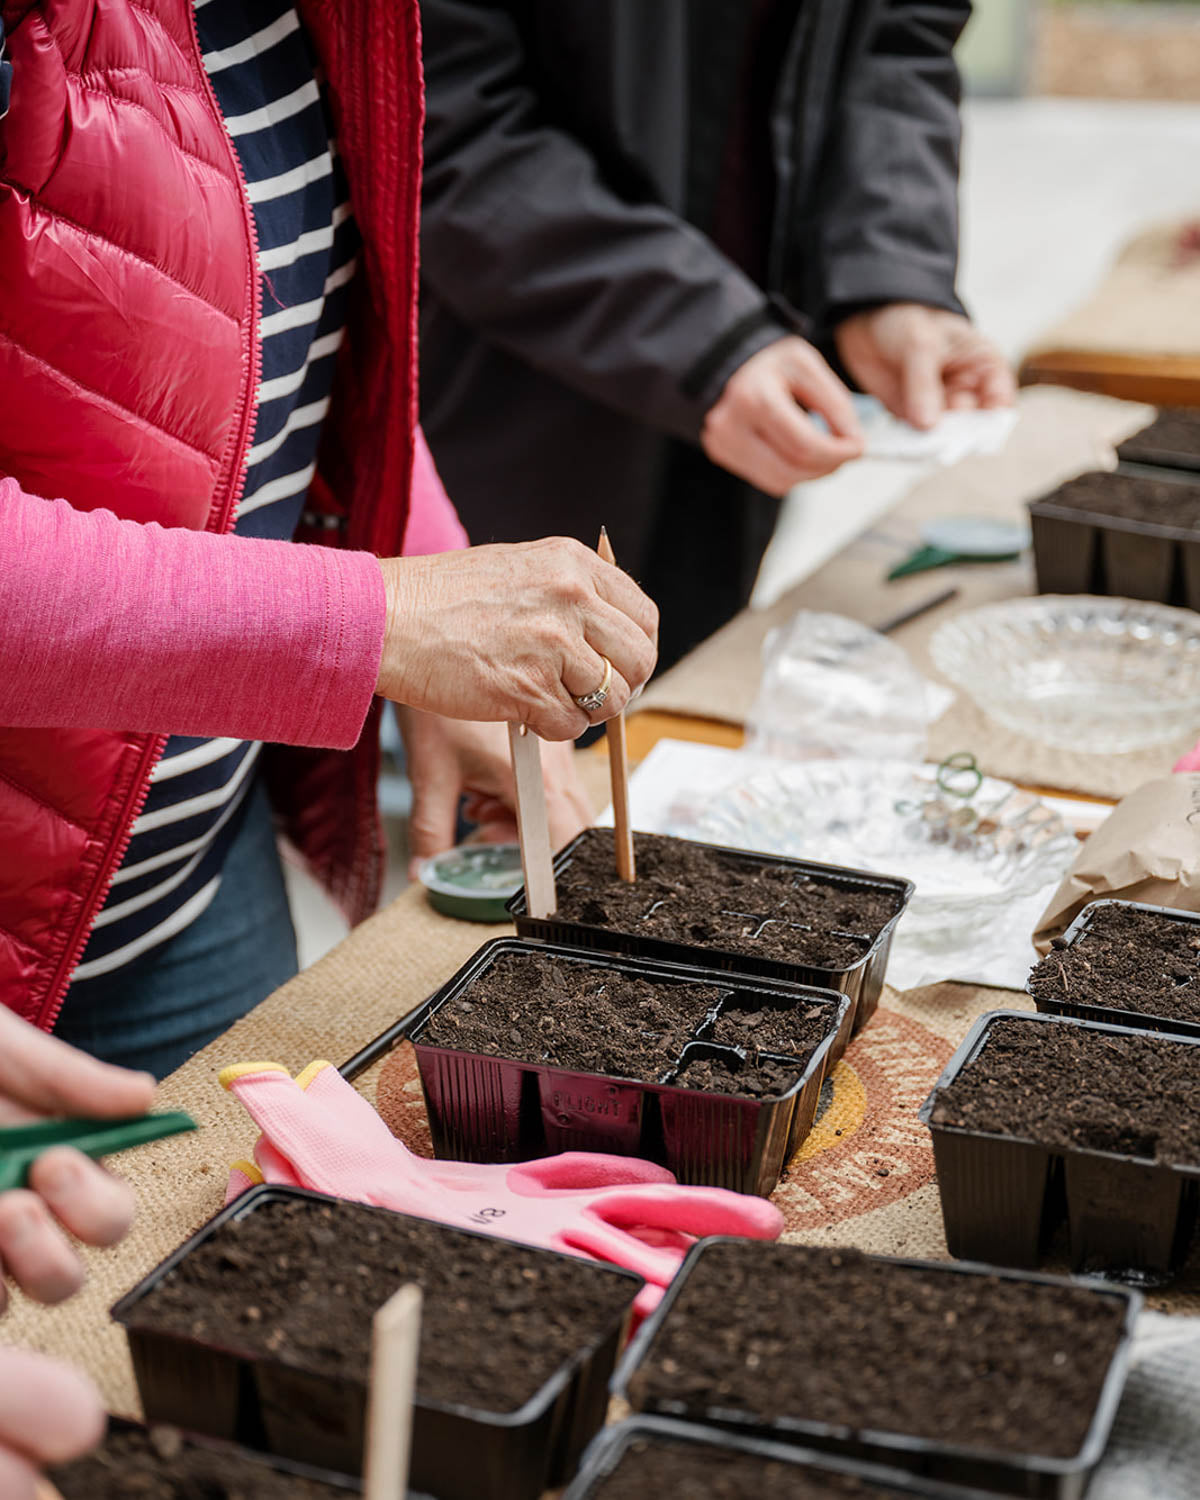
1165 502
135 1465
662 1470
1126 960
833 1336
1066 1086
797 1031
687 893
301 1282
1174 432
756 1078
573 1015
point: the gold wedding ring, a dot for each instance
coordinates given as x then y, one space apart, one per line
590 702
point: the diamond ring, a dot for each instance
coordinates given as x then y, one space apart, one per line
590 702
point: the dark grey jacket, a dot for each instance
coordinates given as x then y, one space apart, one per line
573 323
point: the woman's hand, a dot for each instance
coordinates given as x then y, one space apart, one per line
449 759
515 633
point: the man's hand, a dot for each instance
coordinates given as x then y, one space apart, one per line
41 1077
759 428
921 361
49 1414
453 758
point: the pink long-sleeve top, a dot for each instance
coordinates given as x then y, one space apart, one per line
113 624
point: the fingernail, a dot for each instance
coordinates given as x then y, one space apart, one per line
23 1227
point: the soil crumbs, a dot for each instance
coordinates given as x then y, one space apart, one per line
689 893
760 1078
793 1030
694 1471
300 1282
159 1465
834 1336
1126 960
1164 502
573 1015
1066 1086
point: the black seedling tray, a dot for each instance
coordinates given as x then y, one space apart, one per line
1139 1020
862 981
1083 552
1148 447
1032 1475
611 1445
458 1452
1004 1196
487 1108
340 1483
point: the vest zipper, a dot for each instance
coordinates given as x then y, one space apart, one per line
219 521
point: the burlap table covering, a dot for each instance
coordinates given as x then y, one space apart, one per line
1147 305
864 1177
1060 433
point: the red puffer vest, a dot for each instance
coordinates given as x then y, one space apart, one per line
128 364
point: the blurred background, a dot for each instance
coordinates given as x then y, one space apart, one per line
1081 164
1081 128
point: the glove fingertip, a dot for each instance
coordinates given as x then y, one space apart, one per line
227 1077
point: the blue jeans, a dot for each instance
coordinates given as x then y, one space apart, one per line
157 1011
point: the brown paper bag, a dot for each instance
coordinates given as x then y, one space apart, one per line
1148 849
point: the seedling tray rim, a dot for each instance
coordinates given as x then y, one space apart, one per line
1046 509
1095 1438
612 1442
829 874
732 984
970 1048
1148 1022
254 1197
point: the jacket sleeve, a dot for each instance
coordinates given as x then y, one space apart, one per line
113 624
433 524
524 241
888 191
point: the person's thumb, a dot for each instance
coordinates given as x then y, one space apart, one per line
433 821
922 400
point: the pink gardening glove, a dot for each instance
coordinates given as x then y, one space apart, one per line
1190 761
319 1133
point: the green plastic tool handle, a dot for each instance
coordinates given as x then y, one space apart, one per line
925 558
21 1145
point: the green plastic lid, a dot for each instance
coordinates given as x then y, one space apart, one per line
474 881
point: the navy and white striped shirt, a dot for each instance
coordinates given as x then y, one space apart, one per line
264 74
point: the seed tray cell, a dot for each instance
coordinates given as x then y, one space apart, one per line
1140 1020
1079 551
489 1108
458 1452
1033 1475
861 976
1005 1196
871 1481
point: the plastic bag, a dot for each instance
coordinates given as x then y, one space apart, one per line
832 688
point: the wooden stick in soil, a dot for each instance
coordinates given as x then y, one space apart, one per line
396 1337
46 1491
537 859
618 764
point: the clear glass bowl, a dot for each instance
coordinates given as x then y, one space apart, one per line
1101 676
